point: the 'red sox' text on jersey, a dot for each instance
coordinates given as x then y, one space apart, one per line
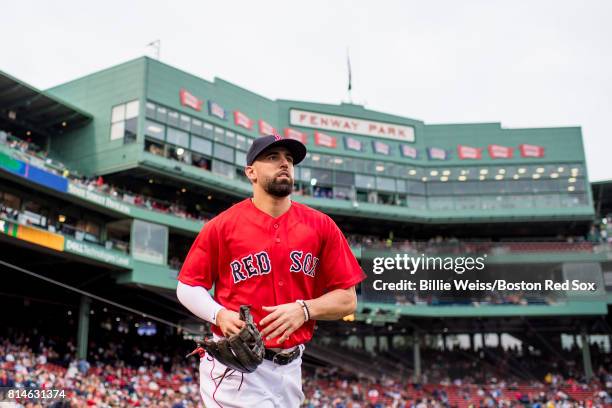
255 259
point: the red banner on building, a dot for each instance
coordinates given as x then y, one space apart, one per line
500 152
243 120
528 150
468 152
265 128
321 139
190 100
296 134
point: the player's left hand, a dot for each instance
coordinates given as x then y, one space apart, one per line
282 321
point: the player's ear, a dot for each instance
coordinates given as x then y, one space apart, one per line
249 171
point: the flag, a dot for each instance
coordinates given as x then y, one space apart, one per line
528 150
348 62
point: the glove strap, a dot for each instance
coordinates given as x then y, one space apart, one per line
304 309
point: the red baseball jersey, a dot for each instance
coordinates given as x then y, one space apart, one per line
255 259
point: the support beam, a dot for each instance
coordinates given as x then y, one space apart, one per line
586 355
83 329
416 348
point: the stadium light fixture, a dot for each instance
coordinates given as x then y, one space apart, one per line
183 190
446 172
380 168
501 171
433 173
561 169
424 179
338 160
499 177
522 170
150 181
516 177
462 178
412 172
536 176
571 180
482 177
28 133
554 175
61 218
316 157
313 182
64 124
209 197
540 170
571 188
484 171
444 179
180 151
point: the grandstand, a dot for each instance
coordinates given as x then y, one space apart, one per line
106 180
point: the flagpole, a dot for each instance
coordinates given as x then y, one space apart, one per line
350 79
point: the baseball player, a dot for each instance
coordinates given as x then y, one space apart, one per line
290 262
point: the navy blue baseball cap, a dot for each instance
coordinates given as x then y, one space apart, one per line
261 144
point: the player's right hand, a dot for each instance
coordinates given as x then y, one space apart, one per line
229 322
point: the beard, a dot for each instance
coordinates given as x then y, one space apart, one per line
278 187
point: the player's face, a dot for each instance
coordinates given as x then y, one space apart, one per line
273 171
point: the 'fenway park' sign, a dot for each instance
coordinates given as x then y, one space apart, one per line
345 124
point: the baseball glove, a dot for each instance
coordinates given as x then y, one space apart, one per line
243 351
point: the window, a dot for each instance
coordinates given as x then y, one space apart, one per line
441 203
131 109
150 110
438 188
185 123
124 121
363 181
343 178
162 114
201 145
415 187
385 184
323 176
241 158
173 118
224 169
177 137
155 130
208 131
149 242
241 142
117 130
196 127
224 153
219 135
131 129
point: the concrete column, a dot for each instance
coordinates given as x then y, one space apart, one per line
586 355
471 337
416 357
83 329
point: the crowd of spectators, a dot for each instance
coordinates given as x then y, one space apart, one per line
36 156
124 374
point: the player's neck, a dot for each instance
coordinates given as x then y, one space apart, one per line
273 206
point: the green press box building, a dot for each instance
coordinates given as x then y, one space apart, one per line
391 166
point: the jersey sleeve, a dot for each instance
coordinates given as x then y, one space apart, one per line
340 269
200 266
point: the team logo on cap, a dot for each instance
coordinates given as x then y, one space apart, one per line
277 137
